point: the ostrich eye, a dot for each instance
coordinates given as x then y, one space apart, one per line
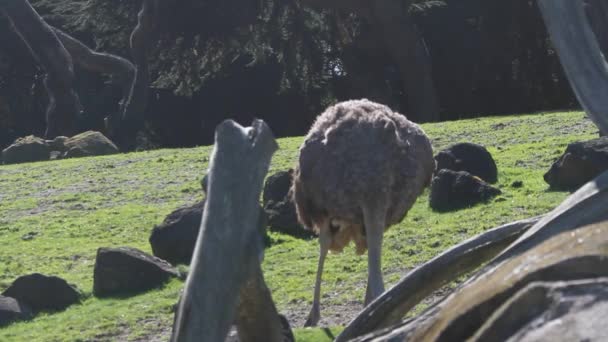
333 227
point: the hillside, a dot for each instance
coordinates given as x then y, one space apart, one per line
72 207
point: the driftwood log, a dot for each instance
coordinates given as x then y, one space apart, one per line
229 246
394 304
555 248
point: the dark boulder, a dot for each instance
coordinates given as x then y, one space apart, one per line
126 270
580 163
174 239
451 190
279 207
41 292
277 186
26 149
282 217
12 310
473 158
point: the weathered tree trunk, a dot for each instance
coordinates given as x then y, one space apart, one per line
405 47
580 55
229 238
257 318
123 126
597 12
393 305
64 104
121 70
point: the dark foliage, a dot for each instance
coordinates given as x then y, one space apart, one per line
283 62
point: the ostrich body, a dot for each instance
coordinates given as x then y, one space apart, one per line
360 170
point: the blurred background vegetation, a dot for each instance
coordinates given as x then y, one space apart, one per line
284 61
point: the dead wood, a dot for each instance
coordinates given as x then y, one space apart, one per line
229 238
554 248
394 304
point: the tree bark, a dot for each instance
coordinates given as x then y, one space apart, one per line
64 104
394 304
404 45
407 49
257 318
597 14
123 126
229 238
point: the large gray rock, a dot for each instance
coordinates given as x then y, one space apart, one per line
11 310
174 239
126 270
41 292
26 149
580 163
552 311
90 143
451 190
473 158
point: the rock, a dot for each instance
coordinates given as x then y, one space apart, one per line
174 239
26 149
41 292
282 217
580 163
89 143
280 209
552 311
277 187
126 270
517 184
469 157
11 310
58 144
452 190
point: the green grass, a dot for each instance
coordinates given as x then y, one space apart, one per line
75 206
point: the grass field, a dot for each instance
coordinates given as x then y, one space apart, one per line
72 207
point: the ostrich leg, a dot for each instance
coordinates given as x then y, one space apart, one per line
315 311
374 219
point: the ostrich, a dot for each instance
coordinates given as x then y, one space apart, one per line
361 168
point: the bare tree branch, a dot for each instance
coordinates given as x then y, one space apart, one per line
64 104
121 70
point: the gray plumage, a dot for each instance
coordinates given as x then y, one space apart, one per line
358 157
